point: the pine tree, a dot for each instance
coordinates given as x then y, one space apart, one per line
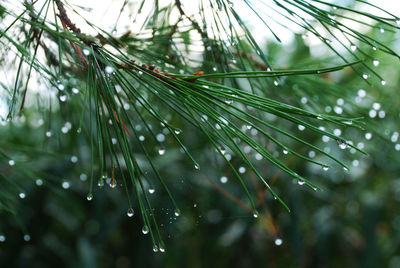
182 90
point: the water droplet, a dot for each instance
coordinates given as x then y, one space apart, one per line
242 170
276 82
278 241
130 212
162 249
196 166
228 101
342 144
368 135
86 52
353 47
365 76
285 151
48 134
304 100
65 185
155 248
11 162
299 182
75 90
325 168
74 159
345 169
151 191
383 82
39 182
109 69
223 179
374 48
375 62
141 138
27 237
161 151
63 98
145 229
177 131
79 130
83 177
61 87
89 197
255 214
372 113
22 195
2 238
382 30
301 127
177 212
100 182
113 183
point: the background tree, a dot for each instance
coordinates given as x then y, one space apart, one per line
184 112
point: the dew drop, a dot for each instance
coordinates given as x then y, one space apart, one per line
375 62
89 197
242 170
130 212
342 144
151 191
383 82
155 248
301 127
145 229
365 76
79 130
300 182
325 168
11 162
382 30
255 214
113 183
22 195
162 249
65 185
109 69
177 131
228 101
345 169
278 241
27 237
223 179
161 151
63 98
86 52
285 151
75 90
197 166
276 83
353 47
74 159
61 87
2 238
48 134
39 182
177 212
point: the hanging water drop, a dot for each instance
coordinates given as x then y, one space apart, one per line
375 62
48 134
365 76
285 152
383 82
113 183
177 212
155 248
75 90
276 82
145 229
325 168
177 131
151 191
162 249
255 214
86 52
161 151
300 182
109 69
2 238
342 144
278 241
353 47
130 212
89 197
223 179
22 195
196 166
63 98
